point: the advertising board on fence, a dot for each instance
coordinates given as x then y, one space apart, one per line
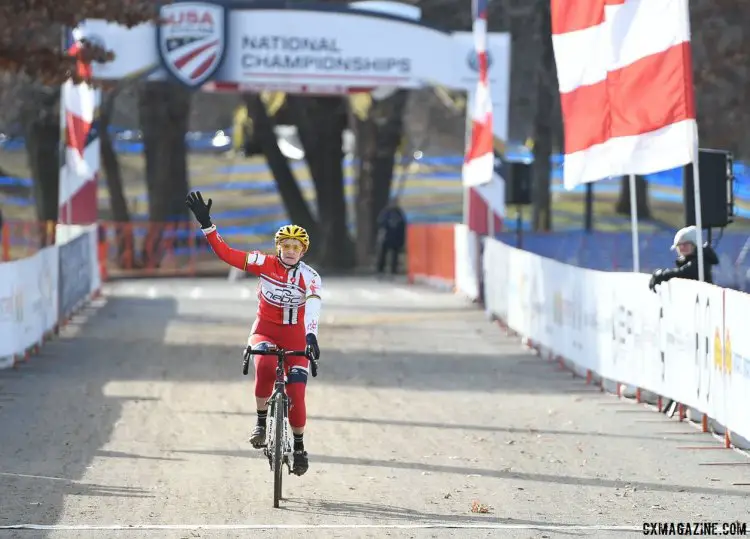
467 272
28 302
735 363
75 273
41 291
686 341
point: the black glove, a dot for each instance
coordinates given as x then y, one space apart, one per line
656 278
312 350
200 209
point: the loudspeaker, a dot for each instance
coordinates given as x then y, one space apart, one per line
517 184
716 189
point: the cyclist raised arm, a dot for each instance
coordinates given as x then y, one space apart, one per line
289 304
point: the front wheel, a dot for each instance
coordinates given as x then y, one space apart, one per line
278 450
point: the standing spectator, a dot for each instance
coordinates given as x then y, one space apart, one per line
391 235
685 243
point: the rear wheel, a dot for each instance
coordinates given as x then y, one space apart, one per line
278 450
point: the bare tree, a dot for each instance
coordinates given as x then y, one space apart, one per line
110 161
547 92
378 135
721 74
31 51
291 195
164 109
622 206
321 122
31 39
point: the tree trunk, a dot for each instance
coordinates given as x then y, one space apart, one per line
164 109
622 206
113 174
291 196
543 130
328 115
309 137
366 144
378 138
111 164
41 123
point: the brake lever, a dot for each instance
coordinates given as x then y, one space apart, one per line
246 363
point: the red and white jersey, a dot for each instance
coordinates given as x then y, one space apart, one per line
283 293
286 296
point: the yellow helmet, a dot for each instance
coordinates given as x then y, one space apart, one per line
293 232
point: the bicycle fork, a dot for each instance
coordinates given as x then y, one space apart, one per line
278 397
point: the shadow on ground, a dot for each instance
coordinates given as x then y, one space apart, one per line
56 418
463 427
495 473
384 513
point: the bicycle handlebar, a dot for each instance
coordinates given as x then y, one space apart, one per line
277 352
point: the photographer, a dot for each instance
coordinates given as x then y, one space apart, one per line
685 243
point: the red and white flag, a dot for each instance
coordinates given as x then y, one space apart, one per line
479 159
624 70
79 174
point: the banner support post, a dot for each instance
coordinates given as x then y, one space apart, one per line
634 225
698 216
467 143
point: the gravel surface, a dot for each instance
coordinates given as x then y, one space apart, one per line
139 414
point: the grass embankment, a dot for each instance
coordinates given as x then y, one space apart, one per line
247 204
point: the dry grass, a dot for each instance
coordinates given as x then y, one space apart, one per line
431 197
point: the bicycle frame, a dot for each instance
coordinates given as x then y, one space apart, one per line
279 397
278 447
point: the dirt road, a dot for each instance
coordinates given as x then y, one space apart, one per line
139 415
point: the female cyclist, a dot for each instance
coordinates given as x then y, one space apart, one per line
287 317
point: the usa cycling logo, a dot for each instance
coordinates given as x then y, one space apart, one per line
192 38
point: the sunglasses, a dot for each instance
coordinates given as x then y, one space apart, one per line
294 247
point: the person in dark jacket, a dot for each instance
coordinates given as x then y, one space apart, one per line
686 243
391 235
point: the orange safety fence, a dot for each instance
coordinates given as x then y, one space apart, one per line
154 249
21 239
139 249
135 249
430 253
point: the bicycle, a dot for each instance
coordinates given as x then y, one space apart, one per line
278 447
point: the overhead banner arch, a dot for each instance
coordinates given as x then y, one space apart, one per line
369 46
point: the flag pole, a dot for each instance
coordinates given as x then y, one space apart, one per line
698 216
62 144
634 225
490 221
467 143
